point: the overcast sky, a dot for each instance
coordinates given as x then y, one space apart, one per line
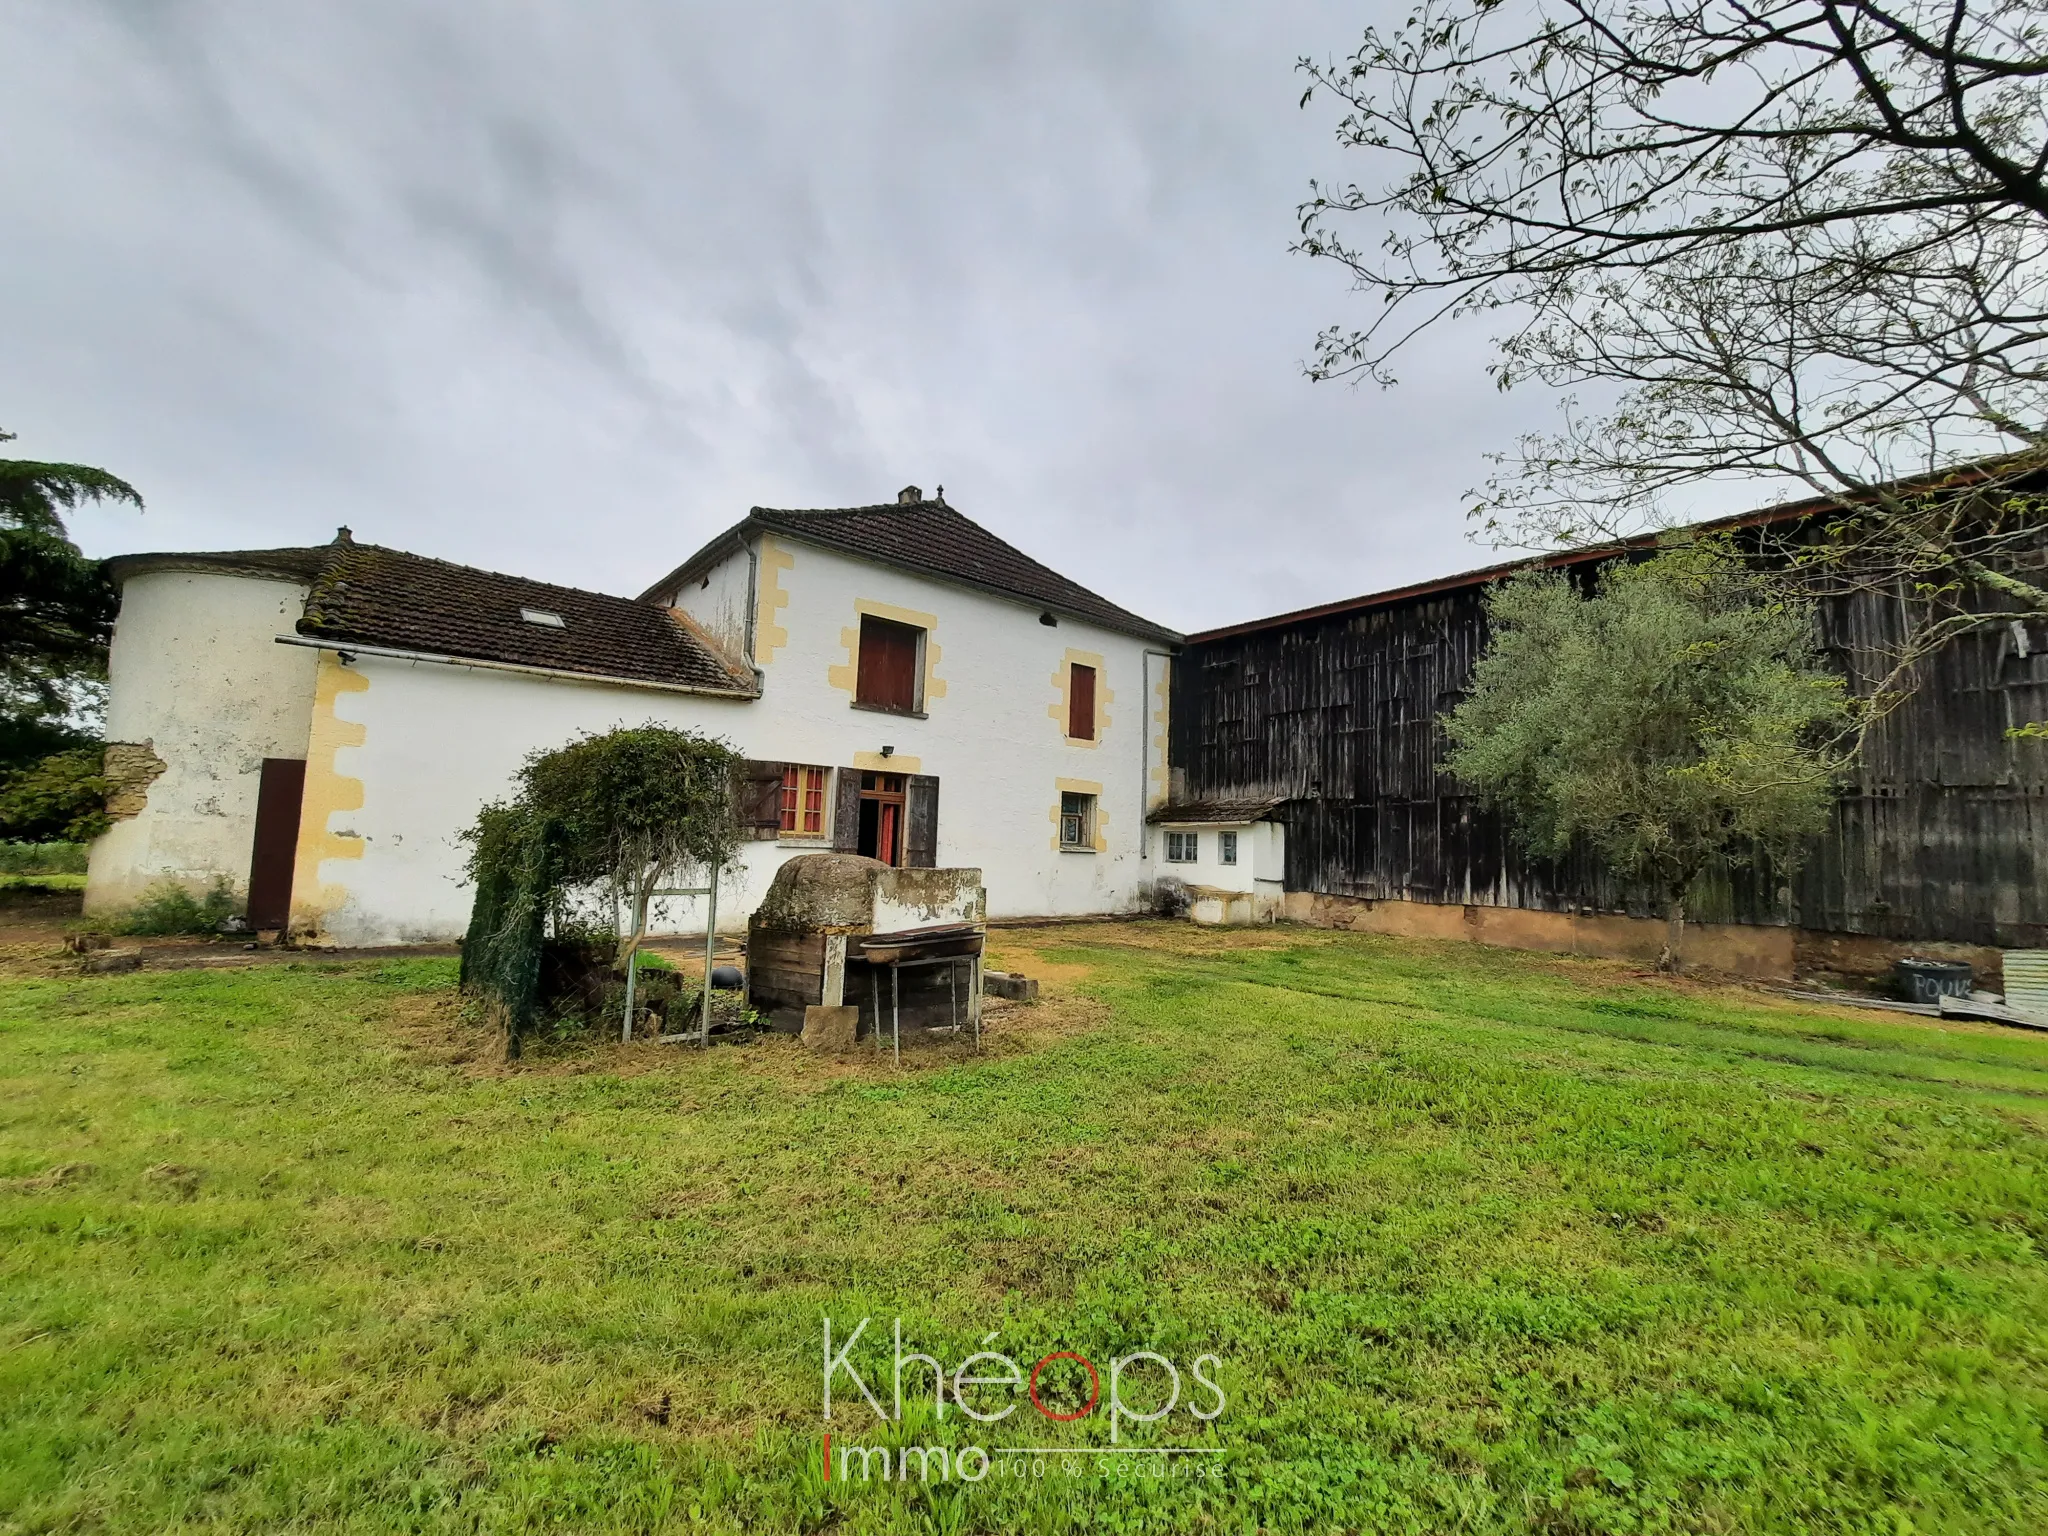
562 289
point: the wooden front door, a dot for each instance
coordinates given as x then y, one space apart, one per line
881 817
276 847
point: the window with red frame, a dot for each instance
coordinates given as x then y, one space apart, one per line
803 801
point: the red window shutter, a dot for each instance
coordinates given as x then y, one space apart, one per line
1081 702
888 664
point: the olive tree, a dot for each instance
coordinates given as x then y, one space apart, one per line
1677 716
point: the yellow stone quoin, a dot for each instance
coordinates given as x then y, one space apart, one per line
845 676
327 792
1159 777
1063 682
770 634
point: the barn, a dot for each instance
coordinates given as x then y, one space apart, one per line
1329 720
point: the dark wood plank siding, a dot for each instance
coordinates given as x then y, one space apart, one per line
1943 836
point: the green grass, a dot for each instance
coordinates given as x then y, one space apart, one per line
51 882
1484 1242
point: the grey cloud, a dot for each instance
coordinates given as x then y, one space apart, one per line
562 289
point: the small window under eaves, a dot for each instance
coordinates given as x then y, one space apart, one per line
543 618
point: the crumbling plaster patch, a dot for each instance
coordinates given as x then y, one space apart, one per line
130 767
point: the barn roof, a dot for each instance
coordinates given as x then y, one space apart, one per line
1957 478
929 538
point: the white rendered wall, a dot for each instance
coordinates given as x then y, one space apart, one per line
196 673
1248 891
721 601
439 741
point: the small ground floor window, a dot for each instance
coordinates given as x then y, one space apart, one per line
1183 847
803 800
1077 820
1226 847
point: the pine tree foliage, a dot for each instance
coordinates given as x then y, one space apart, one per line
56 606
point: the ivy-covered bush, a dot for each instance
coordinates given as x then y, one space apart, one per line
613 817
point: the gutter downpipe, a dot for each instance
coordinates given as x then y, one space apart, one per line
1145 749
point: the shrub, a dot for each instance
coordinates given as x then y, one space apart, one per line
63 796
1168 896
168 908
42 858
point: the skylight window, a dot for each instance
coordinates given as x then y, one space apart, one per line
543 618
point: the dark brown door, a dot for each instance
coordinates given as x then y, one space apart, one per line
1081 703
921 821
277 841
846 811
888 665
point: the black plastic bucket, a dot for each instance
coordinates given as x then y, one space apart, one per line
1928 981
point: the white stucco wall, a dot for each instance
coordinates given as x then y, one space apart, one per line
1245 892
196 674
721 601
437 742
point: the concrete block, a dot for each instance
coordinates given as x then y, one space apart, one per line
105 961
830 1029
1018 989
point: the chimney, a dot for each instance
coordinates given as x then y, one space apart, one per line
343 536
909 496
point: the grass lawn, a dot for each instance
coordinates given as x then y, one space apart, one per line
41 882
1482 1242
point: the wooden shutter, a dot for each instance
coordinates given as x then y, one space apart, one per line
1081 702
921 822
760 800
846 811
888 664
276 847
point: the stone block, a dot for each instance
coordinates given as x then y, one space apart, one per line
828 1028
1018 989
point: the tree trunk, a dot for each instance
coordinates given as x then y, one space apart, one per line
643 894
1674 934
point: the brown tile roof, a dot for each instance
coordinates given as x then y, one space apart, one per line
1227 811
931 539
372 596
302 564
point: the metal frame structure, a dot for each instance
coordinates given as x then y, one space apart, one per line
703 1036
896 969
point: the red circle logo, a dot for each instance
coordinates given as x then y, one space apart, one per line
1093 1380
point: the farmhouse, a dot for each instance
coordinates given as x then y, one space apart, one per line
315 726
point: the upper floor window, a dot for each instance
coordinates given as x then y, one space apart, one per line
803 800
1081 702
891 666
